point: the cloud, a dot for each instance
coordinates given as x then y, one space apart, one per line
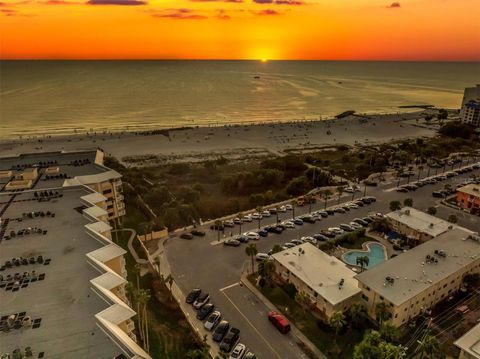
222 15
266 12
178 14
263 1
61 2
232 1
117 2
394 5
9 12
289 2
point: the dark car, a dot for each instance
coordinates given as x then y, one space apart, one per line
298 221
371 183
401 189
193 295
438 194
327 233
262 233
361 222
198 233
220 331
330 212
320 237
359 202
201 300
324 214
242 239
205 311
366 200
186 236
230 339
273 229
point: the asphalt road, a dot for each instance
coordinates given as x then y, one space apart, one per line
217 268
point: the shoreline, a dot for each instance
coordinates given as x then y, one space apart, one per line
192 143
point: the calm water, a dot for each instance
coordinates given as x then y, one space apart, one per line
38 97
376 255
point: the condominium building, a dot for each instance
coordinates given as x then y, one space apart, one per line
469 344
328 282
62 279
63 169
416 224
468 197
418 279
470 110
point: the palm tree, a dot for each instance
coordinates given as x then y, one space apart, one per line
276 248
381 312
259 211
251 250
240 215
390 333
217 225
143 297
395 206
337 322
363 261
399 176
408 202
130 289
429 346
169 280
326 196
340 192
303 299
431 211
357 313
420 169
277 209
452 218
293 203
267 270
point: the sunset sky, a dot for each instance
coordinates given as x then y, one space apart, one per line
234 29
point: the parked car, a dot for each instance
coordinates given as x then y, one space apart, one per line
297 241
360 221
320 237
230 339
355 225
247 218
324 214
213 320
289 245
339 210
359 203
401 189
250 355
438 194
260 257
238 352
204 311
252 236
262 233
346 227
256 216
288 207
237 221
217 227
241 239
309 240
229 223
282 209
279 322
186 236
266 213
197 232
231 242
289 224
220 331
372 198
352 205
272 210
327 233
307 218
201 300
193 295
298 221
330 211
336 230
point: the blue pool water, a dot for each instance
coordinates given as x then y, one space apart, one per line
375 252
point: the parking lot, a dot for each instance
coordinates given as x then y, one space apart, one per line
216 268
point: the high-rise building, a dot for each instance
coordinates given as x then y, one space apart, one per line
470 110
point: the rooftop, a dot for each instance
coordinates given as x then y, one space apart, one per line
412 274
470 342
320 272
471 189
420 221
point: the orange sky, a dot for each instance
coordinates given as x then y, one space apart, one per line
235 29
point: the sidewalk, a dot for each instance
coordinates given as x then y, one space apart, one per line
295 332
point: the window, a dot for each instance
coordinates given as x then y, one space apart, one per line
368 288
396 315
381 298
444 286
110 206
365 297
107 191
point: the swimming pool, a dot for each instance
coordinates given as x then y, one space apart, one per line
375 252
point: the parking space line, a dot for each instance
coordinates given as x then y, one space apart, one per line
229 286
253 326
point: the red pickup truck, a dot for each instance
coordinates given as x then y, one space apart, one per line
279 321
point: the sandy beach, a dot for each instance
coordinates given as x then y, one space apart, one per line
234 141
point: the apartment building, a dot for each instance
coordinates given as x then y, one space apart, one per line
468 197
418 279
416 224
470 109
469 344
329 283
62 279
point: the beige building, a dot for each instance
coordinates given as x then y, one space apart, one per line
469 344
416 224
329 283
470 110
418 279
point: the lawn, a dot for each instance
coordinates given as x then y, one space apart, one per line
314 329
358 243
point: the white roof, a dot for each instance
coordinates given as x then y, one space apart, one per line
94 198
95 211
412 274
471 189
320 271
470 342
420 221
99 226
106 253
99 177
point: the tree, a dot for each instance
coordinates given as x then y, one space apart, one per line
217 225
431 211
251 251
420 169
408 202
240 215
303 299
452 218
363 261
293 203
143 296
340 192
266 270
357 313
390 333
429 347
337 322
326 196
373 346
399 176
382 313
277 248
259 211
169 280
395 205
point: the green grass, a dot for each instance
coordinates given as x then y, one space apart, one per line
314 329
358 243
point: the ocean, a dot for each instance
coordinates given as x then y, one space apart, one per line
63 97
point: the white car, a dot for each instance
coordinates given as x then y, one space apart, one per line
256 215
247 218
266 214
213 320
289 245
237 221
288 207
309 240
355 225
262 257
289 224
352 205
252 235
238 352
336 230
282 209
229 223
297 241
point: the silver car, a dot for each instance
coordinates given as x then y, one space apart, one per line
213 320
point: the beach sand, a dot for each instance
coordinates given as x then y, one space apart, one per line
234 141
